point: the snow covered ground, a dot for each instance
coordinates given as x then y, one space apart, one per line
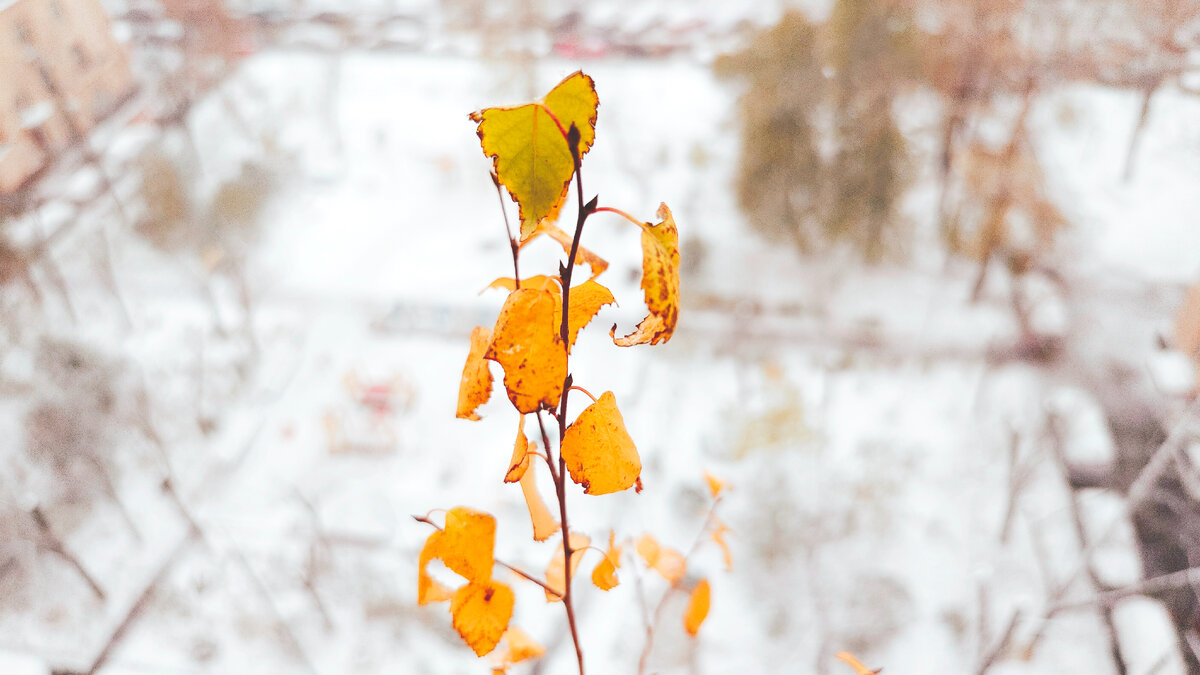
870 470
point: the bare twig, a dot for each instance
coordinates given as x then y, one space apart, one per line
997 649
53 543
1081 533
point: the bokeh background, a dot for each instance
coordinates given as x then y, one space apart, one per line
935 334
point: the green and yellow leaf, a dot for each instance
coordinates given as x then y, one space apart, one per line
528 146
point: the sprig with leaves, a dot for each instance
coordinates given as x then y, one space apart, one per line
536 151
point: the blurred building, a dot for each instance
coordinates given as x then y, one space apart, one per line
61 72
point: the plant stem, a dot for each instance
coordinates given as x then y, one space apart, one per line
512 241
560 483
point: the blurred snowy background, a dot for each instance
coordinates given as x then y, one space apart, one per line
935 332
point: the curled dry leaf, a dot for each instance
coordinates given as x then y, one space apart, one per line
604 576
697 608
544 523
520 457
556 570
582 255
598 451
476 386
528 146
660 281
527 345
429 589
466 544
481 611
666 561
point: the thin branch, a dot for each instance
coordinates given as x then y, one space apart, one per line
513 242
560 483
1106 616
652 622
990 658
515 570
1148 587
1143 485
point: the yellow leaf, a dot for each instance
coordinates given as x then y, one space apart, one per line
582 255
476 386
718 536
519 647
429 589
697 608
715 485
666 561
859 668
527 345
538 281
528 146
586 299
481 611
556 570
599 452
466 544
544 523
604 576
520 457
660 281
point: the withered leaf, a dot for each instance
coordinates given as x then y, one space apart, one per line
660 281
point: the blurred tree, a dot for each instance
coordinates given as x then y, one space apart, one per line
822 158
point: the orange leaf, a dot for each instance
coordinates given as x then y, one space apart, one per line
476 386
520 647
586 299
429 589
527 345
718 535
666 561
466 544
697 609
859 668
582 255
556 570
528 146
481 611
599 452
715 485
660 281
520 457
544 523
